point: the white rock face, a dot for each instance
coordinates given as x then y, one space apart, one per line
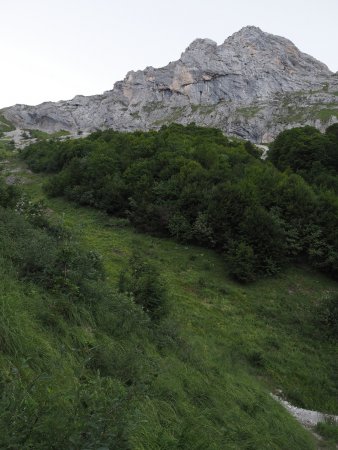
253 85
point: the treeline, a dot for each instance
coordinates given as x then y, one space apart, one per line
198 186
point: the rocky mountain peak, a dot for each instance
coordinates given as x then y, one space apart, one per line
200 45
252 85
250 32
265 47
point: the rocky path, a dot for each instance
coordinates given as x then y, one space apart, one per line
306 417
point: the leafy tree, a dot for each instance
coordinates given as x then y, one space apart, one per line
332 131
309 153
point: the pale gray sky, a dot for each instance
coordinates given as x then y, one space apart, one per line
56 49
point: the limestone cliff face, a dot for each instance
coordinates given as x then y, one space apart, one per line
253 85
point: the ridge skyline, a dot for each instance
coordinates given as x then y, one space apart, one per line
255 30
252 85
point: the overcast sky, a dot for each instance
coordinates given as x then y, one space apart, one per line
56 49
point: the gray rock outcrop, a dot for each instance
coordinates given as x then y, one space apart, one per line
253 85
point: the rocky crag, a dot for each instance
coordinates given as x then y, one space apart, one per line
253 86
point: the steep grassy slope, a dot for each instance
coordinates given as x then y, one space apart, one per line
181 399
268 327
99 375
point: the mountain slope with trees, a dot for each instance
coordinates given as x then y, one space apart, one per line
115 338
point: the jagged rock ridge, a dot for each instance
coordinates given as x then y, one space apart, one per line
253 85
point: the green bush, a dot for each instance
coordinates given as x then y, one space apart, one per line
47 256
9 195
143 281
329 430
241 262
328 316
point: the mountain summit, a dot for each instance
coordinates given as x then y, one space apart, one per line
253 85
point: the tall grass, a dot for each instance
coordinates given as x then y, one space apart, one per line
97 372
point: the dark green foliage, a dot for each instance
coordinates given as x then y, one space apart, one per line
94 371
332 131
195 185
9 195
73 395
314 156
87 417
5 146
329 430
47 256
328 316
241 262
298 148
252 149
143 281
309 153
33 212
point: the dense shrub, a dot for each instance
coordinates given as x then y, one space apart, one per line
198 186
143 281
241 262
47 256
328 316
309 153
9 195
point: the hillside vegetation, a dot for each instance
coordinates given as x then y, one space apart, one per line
309 153
112 338
198 186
